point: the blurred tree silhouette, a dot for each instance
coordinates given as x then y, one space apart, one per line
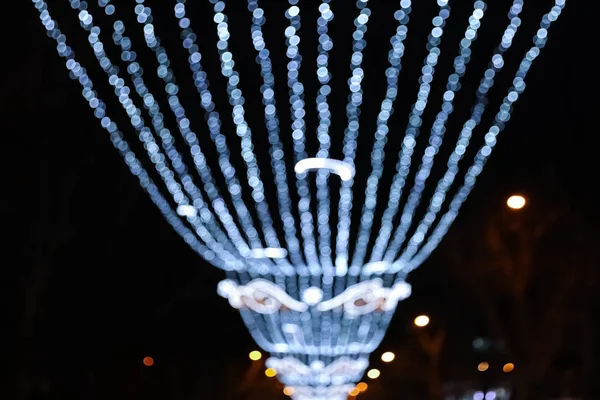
533 273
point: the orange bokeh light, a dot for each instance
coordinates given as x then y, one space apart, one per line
508 367
148 361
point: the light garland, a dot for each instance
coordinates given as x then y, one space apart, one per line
319 315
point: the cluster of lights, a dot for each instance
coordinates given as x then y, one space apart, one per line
315 316
435 139
484 153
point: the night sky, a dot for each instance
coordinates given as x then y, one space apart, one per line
125 285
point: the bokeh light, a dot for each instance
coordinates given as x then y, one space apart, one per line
288 391
388 356
373 373
509 367
255 355
148 361
421 321
516 202
362 386
483 366
270 372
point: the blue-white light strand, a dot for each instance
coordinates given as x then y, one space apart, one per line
324 117
435 139
298 135
350 135
272 123
145 135
496 64
78 73
484 153
408 145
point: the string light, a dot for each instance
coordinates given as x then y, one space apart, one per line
301 300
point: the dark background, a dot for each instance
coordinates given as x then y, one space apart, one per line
124 285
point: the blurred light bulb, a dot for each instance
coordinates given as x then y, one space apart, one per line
483 366
508 367
373 373
255 355
148 361
516 202
388 356
270 372
421 321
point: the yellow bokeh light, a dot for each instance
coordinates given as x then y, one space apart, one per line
270 372
421 321
516 202
362 386
288 391
483 366
354 392
373 373
255 355
508 367
388 356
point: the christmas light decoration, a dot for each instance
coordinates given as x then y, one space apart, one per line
315 293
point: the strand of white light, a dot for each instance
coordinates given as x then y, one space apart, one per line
324 117
334 318
78 73
167 139
236 99
408 145
350 136
435 139
122 92
214 124
491 139
463 142
298 135
272 124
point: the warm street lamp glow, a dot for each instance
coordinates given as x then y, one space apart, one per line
373 373
388 356
483 366
255 355
508 367
362 386
516 202
148 361
288 391
270 372
421 321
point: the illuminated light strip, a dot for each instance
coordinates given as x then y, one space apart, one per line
259 295
350 136
272 124
373 294
463 142
78 73
269 252
408 145
409 264
378 155
122 92
435 140
324 117
183 123
344 170
298 135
